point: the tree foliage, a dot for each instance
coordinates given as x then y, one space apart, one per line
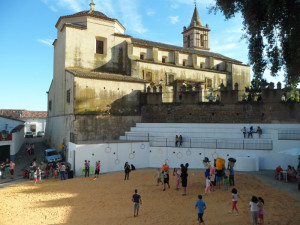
273 31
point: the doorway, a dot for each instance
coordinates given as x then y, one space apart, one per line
4 152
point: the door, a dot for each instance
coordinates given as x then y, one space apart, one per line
4 152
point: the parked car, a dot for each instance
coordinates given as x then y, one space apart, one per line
40 134
28 134
51 155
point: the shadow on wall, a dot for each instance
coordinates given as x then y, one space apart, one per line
119 62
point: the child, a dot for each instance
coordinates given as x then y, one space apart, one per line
176 173
261 210
226 182
166 179
55 174
137 200
211 179
201 207
158 175
253 209
40 175
35 176
207 189
235 196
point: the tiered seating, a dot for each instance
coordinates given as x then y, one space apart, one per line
150 131
209 136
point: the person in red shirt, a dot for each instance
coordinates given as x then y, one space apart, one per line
277 172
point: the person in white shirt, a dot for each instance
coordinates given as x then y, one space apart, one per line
254 209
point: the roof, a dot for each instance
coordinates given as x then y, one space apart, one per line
196 19
90 13
34 114
178 48
22 113
78 72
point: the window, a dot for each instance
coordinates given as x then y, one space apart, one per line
50 105
68 96
33 128
171 79
189 41
202 40
142 56
100 47
198 39
208 83
149 76
184 62
164 59
202 65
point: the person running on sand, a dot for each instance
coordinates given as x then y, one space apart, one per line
261 210
137 201
184 175
12 169
166 179
235 197
35 176
97 171
254 209
158 175
176 173
207 188
127 170
200 204
39 173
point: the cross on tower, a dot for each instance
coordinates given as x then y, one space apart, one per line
195 3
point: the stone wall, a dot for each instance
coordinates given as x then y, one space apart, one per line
254 112
102 127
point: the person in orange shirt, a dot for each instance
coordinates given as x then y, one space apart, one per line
165 167
165 172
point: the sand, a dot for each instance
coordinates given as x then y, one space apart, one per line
107 200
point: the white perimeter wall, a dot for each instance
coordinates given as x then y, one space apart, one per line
17 142
175 156
95 152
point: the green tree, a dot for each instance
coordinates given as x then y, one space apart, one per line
255 86
273 32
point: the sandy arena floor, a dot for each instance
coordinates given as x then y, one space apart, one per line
107 201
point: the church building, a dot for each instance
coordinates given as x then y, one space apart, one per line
100 73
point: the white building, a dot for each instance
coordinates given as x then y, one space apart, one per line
12 137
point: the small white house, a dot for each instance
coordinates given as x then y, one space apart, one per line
12 137
35 121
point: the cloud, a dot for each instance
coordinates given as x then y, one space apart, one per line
199 2
131 16
174 19
237 30
72 5
127 11
150 12
46 41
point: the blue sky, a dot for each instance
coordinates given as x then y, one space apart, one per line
28 30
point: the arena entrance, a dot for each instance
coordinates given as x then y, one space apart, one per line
4 152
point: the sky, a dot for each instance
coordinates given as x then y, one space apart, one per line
28 31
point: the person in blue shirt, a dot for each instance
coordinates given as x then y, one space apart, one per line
200 204
231 176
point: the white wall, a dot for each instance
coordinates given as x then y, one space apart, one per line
11 124
40 124
17 142
95 152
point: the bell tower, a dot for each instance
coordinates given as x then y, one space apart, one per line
196 36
